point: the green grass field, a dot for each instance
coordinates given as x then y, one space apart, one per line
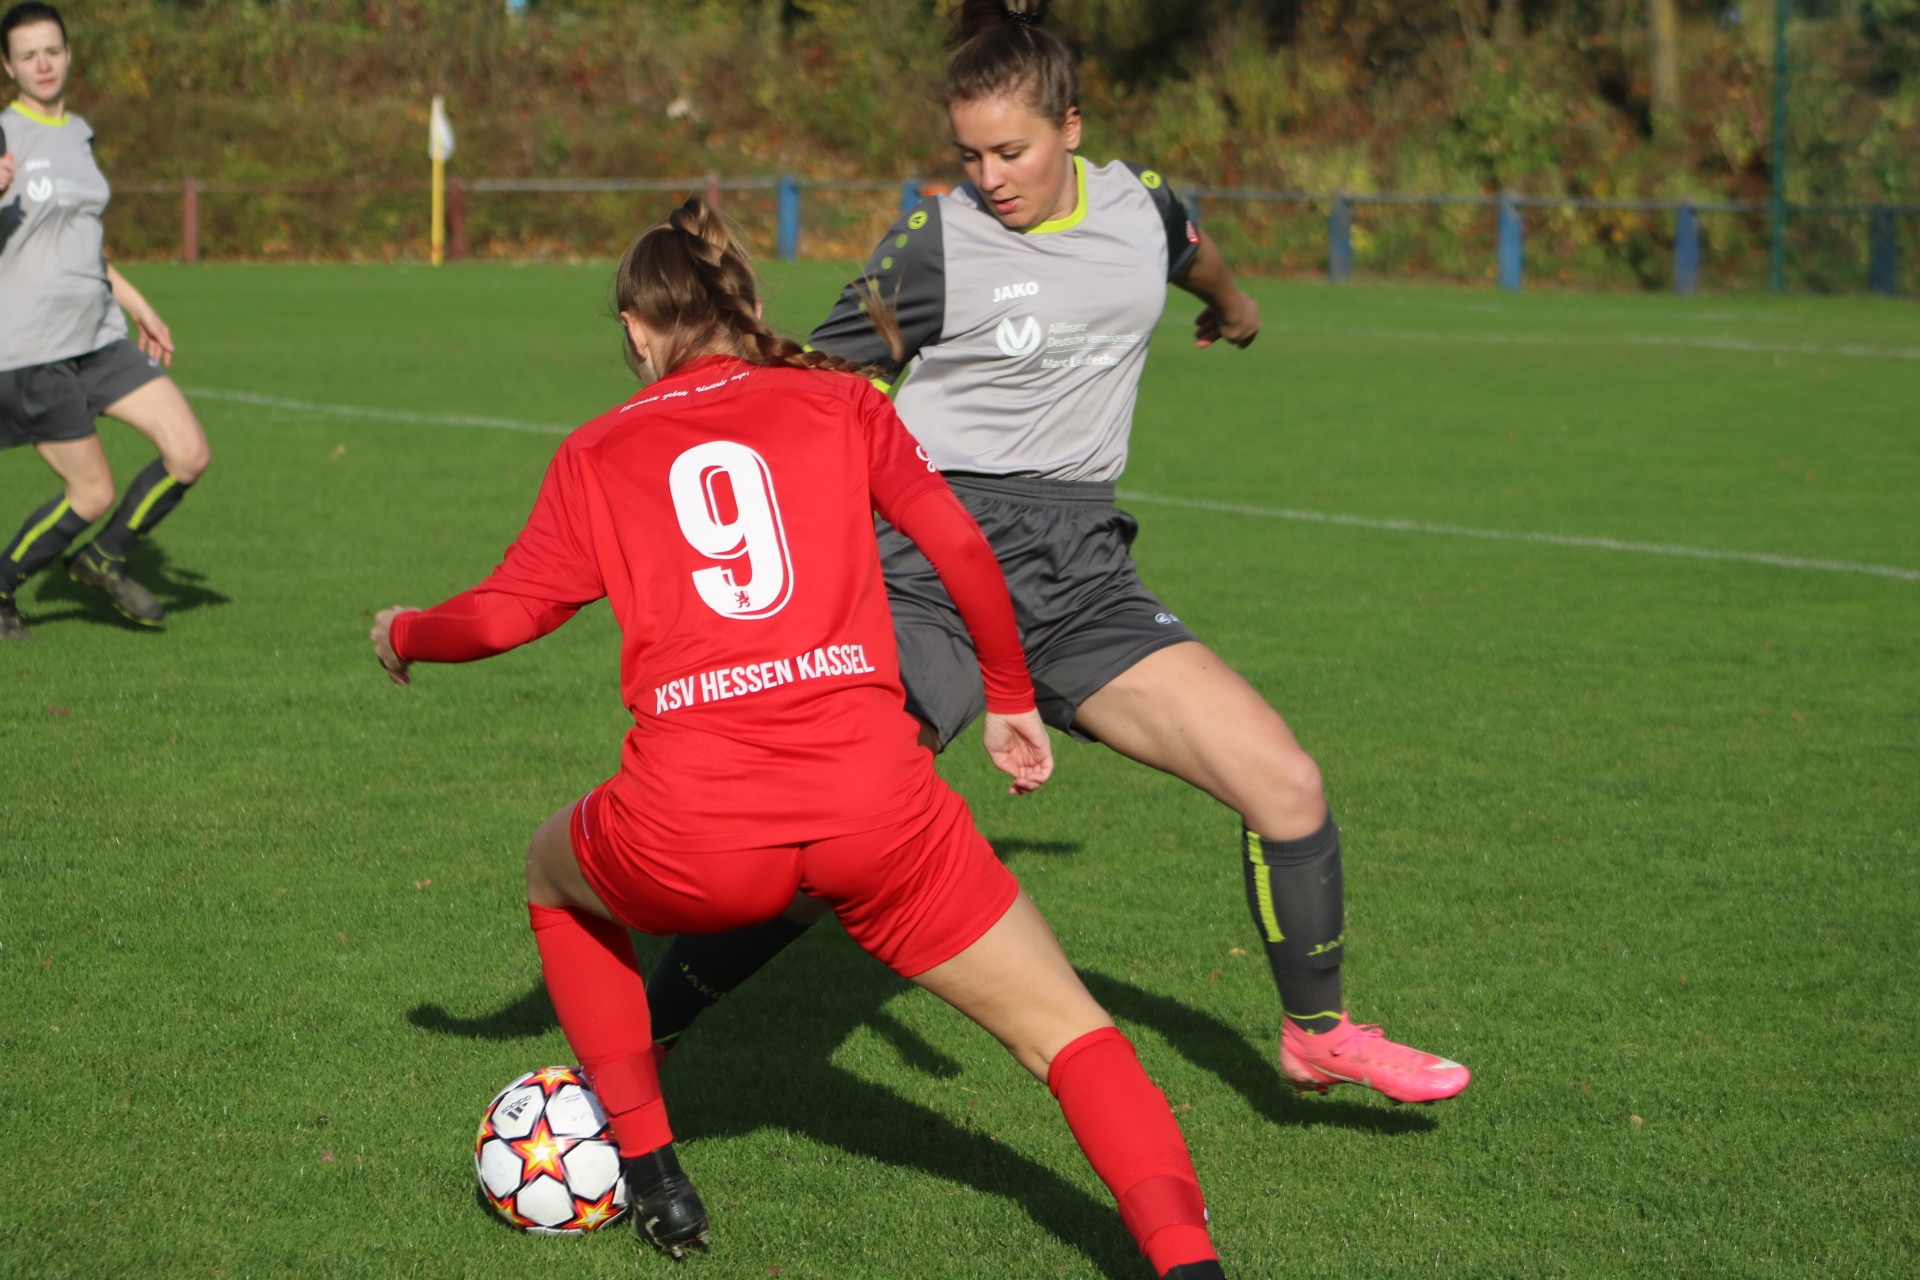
1634 835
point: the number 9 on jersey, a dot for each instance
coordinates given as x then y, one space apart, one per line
723 496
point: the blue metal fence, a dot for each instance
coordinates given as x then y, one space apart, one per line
1883 220
1883 255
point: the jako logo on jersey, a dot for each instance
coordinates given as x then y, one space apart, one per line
40 190
1006 292
723 495
1015 343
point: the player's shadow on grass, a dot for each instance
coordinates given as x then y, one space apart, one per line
764 1060
178 590
1219 1049
1007 847
528 1018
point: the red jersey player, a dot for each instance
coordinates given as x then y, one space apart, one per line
726 513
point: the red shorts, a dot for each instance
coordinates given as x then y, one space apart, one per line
913 895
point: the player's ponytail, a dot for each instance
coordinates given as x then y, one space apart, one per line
999 50
689 280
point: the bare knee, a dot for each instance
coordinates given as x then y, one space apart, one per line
1292 802
187 460
91 499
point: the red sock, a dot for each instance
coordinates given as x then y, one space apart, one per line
594 982
1133 1142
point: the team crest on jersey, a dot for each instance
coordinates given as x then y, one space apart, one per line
40 190
1016 342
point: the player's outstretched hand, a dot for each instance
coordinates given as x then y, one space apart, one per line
1240 324
383 644
156 339
1019 748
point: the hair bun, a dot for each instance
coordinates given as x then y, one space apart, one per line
973 17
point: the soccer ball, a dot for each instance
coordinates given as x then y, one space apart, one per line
546 1156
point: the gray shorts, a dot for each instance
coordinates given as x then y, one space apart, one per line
59 401
1084 616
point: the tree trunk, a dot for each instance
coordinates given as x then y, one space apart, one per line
1663 46
1508 25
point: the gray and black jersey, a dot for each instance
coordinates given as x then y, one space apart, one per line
1024 348
55 302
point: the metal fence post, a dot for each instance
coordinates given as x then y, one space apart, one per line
789 218
909 194
1686 251
1509 253
1340 240
1883 252
190 221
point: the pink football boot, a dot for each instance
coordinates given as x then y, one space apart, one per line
1362 1055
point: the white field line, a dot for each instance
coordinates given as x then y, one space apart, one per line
1628 340
377 415
1192 504
1554 539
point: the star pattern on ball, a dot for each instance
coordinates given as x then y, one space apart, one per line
551 1078
540 1152
593 1214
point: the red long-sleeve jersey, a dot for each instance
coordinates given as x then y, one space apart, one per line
725 512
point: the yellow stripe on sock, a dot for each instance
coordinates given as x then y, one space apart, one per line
33 535
1263 890
146 503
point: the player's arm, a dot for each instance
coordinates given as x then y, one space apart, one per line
155 338
914 498
1195 263
547 575
908 275
1229 314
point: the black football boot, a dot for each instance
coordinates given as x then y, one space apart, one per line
11 628
96 568
666 1209
1208 1270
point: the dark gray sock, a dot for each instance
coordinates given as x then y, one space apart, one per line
149 498
1298 902
50 530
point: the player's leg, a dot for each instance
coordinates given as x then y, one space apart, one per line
156 409
46 406
944 692
86 493
593 979
937 907
1183 710
1016 983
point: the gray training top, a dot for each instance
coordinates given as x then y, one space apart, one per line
55 302
1024 349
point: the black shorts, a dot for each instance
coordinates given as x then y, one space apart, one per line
1084 615
59 401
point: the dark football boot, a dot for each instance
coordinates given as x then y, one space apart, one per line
666 1209
96 568
11 628
1208 1270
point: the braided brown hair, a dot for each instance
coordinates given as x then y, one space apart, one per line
689 280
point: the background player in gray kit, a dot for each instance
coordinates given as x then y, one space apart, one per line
65 358
1026 300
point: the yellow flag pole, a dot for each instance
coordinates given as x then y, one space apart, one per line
439 209
439 148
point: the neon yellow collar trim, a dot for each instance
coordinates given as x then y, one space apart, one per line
35 116
1079 213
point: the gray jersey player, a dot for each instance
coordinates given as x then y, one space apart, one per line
1025 301
65 357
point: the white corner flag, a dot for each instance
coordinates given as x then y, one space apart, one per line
439 132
